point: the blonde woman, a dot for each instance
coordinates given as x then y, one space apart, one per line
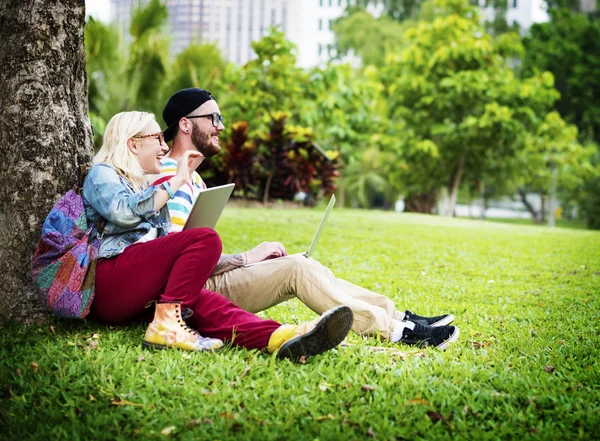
139 264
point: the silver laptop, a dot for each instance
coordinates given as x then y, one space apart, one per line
315 240
208 207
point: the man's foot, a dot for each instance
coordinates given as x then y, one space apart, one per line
423 335
439 320
312 338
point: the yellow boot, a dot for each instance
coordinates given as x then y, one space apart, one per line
168 329
312 338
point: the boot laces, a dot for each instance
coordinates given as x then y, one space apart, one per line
183 323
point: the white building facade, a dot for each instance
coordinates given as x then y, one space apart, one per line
234 24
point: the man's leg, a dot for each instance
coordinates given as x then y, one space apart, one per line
259 287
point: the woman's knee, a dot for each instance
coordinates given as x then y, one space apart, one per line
207 240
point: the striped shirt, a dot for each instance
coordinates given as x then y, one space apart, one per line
180 207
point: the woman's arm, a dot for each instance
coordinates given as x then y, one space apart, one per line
185 167
114 201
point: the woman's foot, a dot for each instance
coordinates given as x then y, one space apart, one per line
168 329
312 338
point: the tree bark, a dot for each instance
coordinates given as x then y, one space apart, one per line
420 203
534 214
543 207
482 197
44 133
552 198
455 186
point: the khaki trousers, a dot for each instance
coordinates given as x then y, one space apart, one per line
259 287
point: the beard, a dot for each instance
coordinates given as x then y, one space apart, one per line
202 141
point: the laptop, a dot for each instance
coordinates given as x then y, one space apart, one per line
208 207
315 240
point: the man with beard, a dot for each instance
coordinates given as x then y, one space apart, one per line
194 123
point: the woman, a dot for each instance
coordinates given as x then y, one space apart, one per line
139 264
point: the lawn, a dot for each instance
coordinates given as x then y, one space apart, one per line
526 365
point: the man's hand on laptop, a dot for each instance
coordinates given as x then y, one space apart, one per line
265 251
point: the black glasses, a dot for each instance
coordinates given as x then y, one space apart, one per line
160 136
216 118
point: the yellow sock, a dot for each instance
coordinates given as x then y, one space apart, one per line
281 335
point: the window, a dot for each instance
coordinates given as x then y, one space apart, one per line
262 18
339 2
321 3
330 3
283 17
320 49
330 23
515 4
273 17
320 24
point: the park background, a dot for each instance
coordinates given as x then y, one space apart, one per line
412 107
443 105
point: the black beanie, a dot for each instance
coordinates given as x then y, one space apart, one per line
180 105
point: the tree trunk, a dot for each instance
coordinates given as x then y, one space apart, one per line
552 198
267 187
420 203
543 207
534 214
44 133
482 196
455 186
341 191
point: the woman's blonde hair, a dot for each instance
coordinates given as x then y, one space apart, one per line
114 150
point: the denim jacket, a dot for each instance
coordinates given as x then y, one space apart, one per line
127 215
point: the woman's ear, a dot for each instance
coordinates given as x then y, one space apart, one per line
132 146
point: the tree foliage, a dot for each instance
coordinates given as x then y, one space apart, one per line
138 73
456 105
569 47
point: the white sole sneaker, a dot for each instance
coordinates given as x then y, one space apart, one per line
445 321
442 346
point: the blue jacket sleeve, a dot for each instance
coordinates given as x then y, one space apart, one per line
116 202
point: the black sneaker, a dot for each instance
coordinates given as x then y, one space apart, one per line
439 320
328 331
422 335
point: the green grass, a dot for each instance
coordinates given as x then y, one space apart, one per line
562 223
526 366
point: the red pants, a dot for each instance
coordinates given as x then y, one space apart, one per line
174 268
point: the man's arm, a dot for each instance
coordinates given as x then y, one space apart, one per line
228 262
264 251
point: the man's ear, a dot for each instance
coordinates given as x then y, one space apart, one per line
184 125
132 146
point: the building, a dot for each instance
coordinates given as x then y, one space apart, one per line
234 24
523 12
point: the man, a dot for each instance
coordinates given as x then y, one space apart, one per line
194 123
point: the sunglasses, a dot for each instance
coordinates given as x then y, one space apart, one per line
216 118
160 136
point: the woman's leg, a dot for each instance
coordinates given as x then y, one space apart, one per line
215 316
174 268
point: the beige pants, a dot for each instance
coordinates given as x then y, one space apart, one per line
259 287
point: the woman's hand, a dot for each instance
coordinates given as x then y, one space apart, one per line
185 166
